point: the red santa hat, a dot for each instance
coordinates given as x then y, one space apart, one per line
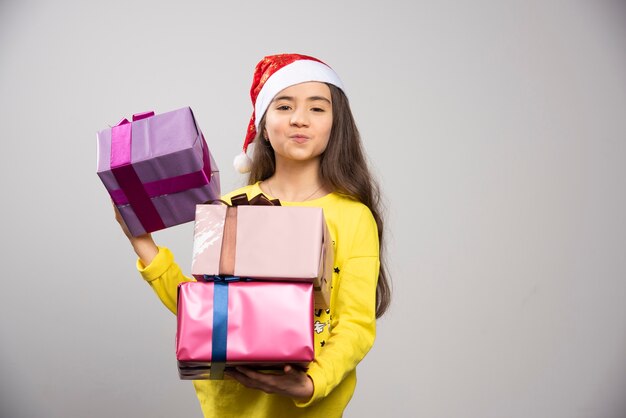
273 74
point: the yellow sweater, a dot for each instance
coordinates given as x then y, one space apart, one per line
343 334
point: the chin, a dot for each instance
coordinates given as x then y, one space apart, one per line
301 157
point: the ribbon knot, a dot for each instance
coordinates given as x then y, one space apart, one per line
242 200
142 115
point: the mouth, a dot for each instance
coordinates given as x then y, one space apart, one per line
300 139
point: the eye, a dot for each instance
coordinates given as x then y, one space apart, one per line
318 109
283 107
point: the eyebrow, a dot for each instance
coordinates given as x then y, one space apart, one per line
311 99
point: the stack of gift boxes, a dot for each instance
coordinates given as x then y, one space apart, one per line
261 268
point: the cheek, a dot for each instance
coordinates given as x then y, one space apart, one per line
327 129
273 125
324 144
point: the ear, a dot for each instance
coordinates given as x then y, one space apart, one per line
265 135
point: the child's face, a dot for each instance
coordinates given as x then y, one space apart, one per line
298 121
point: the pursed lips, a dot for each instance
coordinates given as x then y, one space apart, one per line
300 139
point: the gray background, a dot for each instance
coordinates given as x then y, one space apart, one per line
497 129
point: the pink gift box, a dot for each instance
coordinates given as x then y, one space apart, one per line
267 325
156 169
271 243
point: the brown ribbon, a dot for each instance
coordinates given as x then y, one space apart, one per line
242 200
258 200
229 237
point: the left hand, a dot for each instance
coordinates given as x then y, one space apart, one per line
292 382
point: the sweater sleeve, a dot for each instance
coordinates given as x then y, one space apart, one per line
353 311
164 276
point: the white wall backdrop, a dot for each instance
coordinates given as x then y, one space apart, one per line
497 129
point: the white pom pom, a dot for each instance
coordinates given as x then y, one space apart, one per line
242 163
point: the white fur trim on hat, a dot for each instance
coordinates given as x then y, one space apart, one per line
295 73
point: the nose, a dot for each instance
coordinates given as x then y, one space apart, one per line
299 117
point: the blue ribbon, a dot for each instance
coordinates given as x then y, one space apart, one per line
220 321
220 329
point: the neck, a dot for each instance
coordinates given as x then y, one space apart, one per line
296 181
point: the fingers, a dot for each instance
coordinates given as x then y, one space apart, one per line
117 212
119 219
293 382
253 380
262 378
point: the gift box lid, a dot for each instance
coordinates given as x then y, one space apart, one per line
155 136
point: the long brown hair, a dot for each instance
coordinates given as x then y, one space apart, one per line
344 169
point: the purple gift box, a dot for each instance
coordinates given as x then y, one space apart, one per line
156 169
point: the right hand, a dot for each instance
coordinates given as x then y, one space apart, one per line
143 245
120 220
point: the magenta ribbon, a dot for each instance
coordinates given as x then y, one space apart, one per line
127 178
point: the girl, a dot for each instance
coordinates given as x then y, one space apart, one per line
307 153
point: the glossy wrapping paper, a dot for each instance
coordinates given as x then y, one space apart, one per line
269 324
172 166
264 242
